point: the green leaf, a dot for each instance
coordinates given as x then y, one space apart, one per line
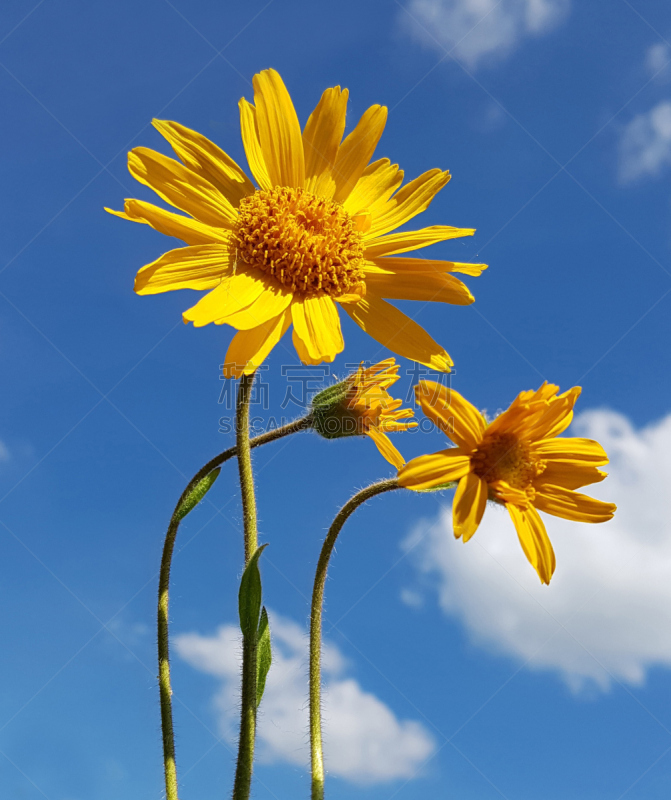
197 493
264 656
249 596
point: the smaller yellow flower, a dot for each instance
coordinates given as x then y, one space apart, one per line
516 460
361 405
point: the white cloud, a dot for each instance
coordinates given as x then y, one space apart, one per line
5 454
607 613
482 30
645 143
657 59
411 598
364 742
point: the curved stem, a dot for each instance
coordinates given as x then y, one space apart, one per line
316 753
165 689
245 765
300 424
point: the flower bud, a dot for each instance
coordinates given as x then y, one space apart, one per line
361 406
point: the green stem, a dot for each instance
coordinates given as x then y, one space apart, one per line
245 764
316 753
163 597
245 466
169 766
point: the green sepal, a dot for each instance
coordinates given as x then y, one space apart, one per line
249 596
264 655
332 417
196 494
442 487
335 393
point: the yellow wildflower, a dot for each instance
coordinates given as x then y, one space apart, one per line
314 236
516 460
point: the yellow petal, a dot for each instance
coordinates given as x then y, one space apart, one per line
425 472
563 420
387 425
356 151
386 448
302 350
198 267
555 417
411 240
279 130
469 504
181 187
249 349
572 505
560 425
321 139
362 221
568 475
317 324
452 413
234 293
534 540
466 269
505 493
396 331
524 412
410 200
393 264
187 229
377 184
571 449
207 160
268 305
427 286
546 392
250 140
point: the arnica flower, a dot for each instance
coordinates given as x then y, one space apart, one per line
361 405
516 460
315 234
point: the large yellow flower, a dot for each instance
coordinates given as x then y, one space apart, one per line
516 460
313 236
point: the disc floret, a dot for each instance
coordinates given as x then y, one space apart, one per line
307 243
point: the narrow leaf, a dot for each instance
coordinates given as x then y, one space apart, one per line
249 596
197 493
264 655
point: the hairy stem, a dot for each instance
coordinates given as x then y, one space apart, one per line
165 689
316 753
245 764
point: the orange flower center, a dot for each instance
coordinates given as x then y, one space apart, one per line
504 457
307 243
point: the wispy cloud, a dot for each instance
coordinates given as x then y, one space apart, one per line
657 58
607 611
645 144
364 741
479 31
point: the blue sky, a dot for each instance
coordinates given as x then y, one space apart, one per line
554 119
